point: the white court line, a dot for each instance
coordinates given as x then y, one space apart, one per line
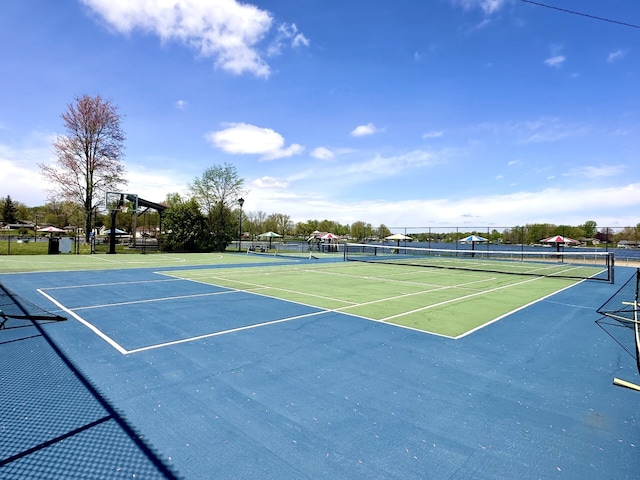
342 310
133 282
265 287
152 261
124 351
225 332
90 326
437 289
161 299
349 303
479 327
464 297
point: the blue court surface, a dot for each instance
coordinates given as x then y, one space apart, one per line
153 376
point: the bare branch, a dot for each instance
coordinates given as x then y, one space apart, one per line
89 158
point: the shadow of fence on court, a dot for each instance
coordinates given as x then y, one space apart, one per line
53 421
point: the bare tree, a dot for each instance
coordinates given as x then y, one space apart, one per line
89 156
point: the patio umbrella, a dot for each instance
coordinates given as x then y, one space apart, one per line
330 237
271 235
559 240
51 230
473 239
397 237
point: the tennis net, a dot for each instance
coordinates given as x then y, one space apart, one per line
576 264
17 308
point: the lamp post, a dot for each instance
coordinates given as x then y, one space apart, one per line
240 202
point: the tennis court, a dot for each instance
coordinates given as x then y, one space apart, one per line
249 366
441 302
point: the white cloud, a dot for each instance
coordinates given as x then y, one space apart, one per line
322 153
543 130
364 130
287 35
181 105
228 31
22 182
270 182
487 6
433 134
604 205
555 61
19 171
540 130
590 171
394 165
616 55
243 138
154 184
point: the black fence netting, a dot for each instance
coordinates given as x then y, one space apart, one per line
53 421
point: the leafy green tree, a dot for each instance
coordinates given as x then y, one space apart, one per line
173 199
590 228
279 223
360 230
329 226
217 191
9 211
305 229
494 236
186 227
383 231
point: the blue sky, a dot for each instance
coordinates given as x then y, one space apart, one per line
408 113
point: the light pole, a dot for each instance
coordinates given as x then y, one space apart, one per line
240 202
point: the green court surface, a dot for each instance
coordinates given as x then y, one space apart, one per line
443 302
54 263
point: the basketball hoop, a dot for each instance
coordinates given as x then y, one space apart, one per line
119 202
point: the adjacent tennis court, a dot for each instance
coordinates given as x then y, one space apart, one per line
443 302
254 366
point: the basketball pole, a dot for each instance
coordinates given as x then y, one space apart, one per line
112 231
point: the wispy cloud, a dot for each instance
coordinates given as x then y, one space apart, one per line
322 153
243 138
364 130
394 165
181 105
545 129
487 6
287 35
616 55
557 58
540 130
555 61
433 134
228 31
270 182
600 171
